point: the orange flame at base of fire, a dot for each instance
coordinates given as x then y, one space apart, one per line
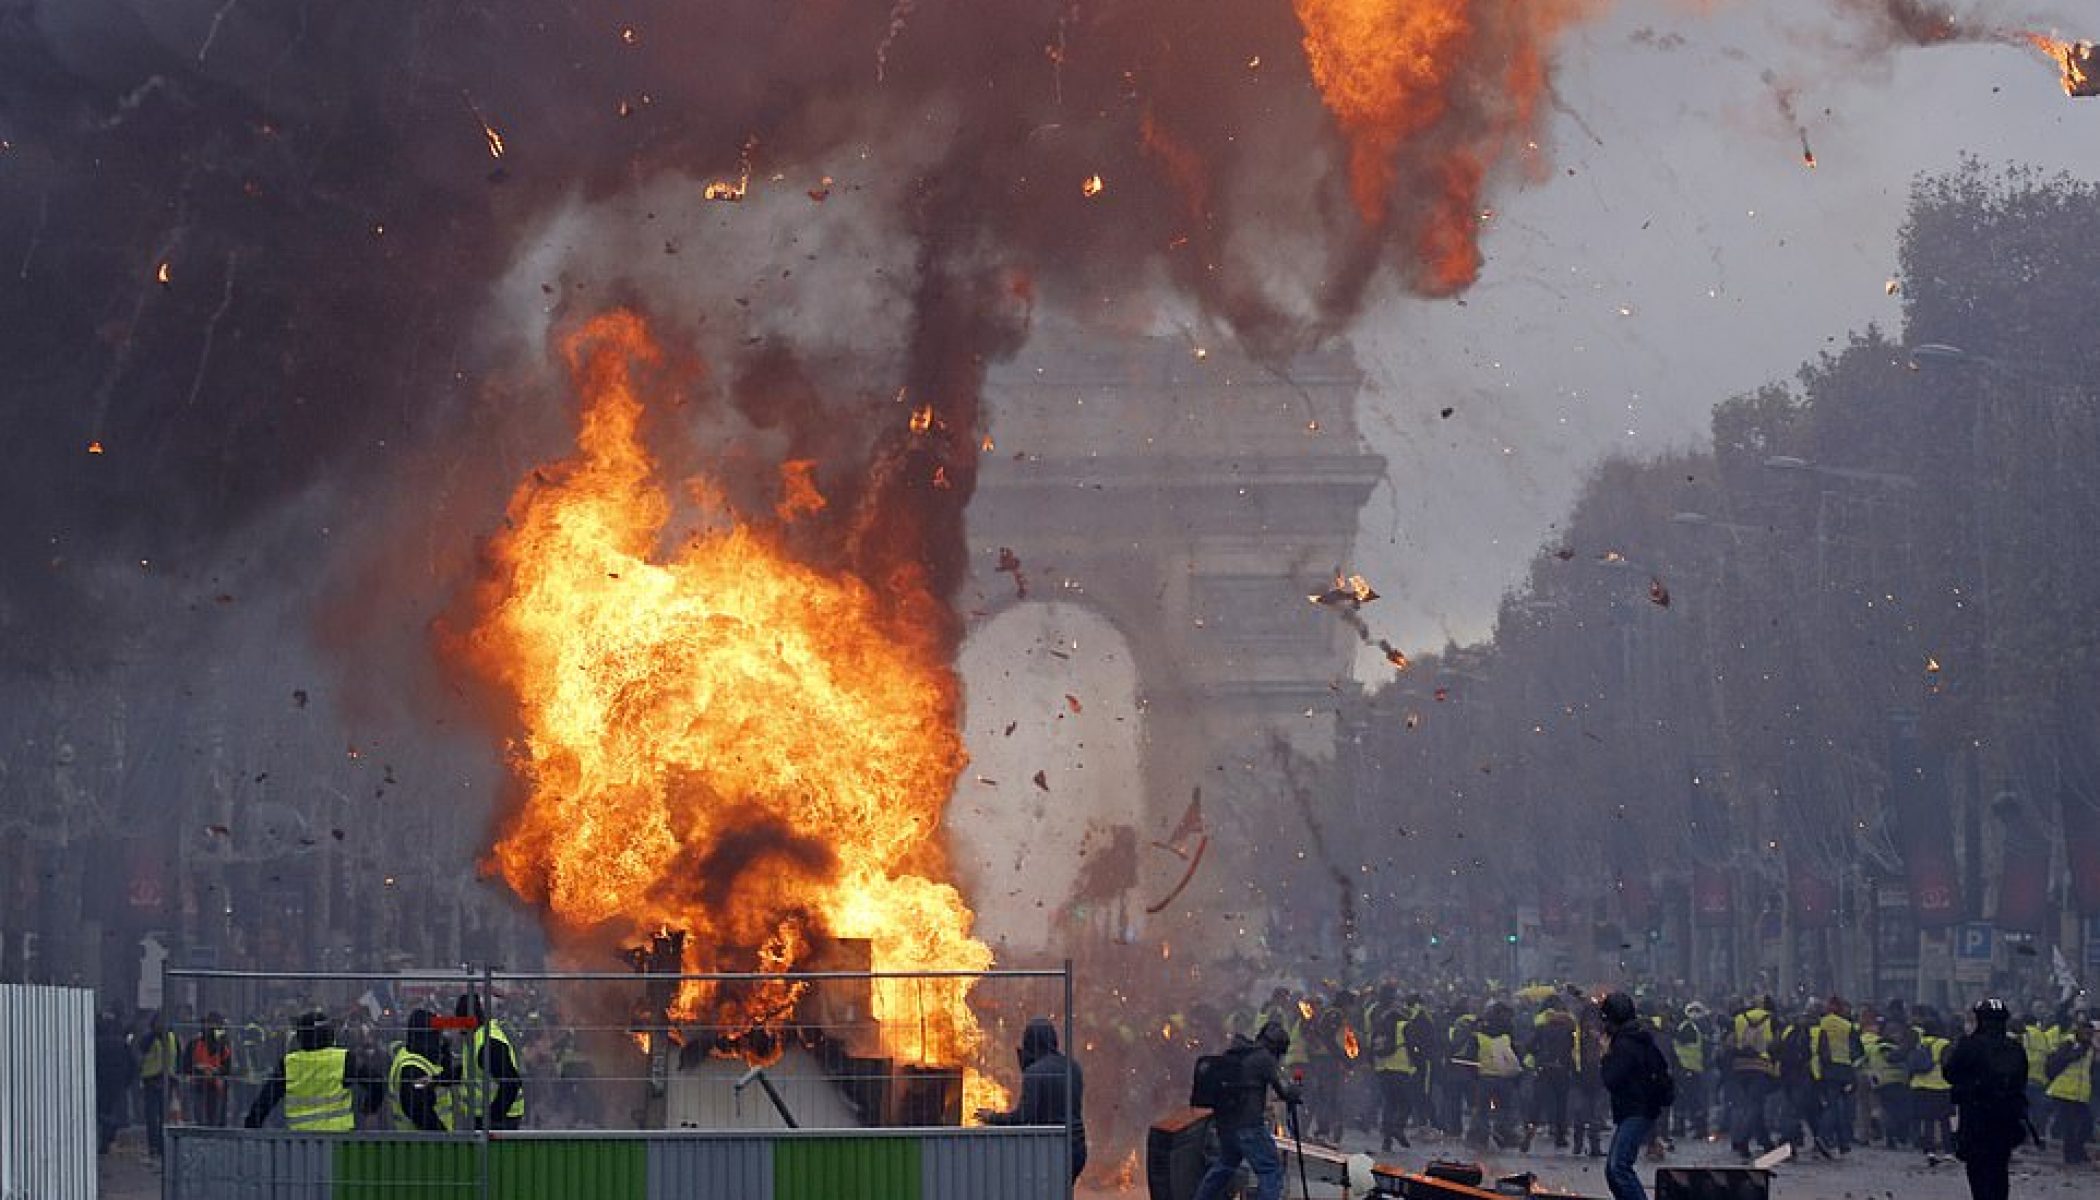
721 739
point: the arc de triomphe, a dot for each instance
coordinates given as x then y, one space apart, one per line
1147 528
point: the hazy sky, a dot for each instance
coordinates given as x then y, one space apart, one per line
1679 252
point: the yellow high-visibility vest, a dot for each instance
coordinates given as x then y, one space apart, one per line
2035 1041
404 1059
1934 1080
481 1084
2074 1084
316 1092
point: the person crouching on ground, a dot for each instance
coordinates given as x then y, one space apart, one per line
1638 1078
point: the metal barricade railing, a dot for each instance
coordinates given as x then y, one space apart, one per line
1027 1163
624 1051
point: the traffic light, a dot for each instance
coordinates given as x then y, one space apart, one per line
1513 938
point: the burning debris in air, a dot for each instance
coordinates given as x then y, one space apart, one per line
2079 62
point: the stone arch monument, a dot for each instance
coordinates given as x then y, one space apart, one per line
1147 526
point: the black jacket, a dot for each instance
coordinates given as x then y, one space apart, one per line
1636 1074
1259 1078
1045 1074
1987 1072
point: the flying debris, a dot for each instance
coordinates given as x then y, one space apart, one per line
1092 187
1010 564
161 276
1350 590
2079 62
1891 287
1394 655
1041 779
1658 595
95 447
822 191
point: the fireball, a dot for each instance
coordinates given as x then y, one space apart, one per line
716 737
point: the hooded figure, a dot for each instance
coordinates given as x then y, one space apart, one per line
1987 1077
1053 1090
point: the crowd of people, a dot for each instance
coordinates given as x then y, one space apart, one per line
310 1071
1528 1070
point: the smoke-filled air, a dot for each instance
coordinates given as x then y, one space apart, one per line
1005 541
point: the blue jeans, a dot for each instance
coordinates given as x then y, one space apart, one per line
1627 1141
1253 1145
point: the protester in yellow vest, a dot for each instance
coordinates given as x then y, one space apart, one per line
1688 1054
1930 1094
322 1085
493 1088
160 1059
1752 1075
1836 1069
2071 1092
420 1081
1495 1091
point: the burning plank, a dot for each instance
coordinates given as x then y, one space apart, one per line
2079 62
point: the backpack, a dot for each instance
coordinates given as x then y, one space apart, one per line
1657 1080
1385 1033
1218 1080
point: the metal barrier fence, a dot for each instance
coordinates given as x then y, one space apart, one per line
599 1050
47 1093
1018 1163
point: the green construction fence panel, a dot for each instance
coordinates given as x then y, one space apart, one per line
407 1169
568 1169
864 1168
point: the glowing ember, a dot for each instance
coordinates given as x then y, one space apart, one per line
718 738
1305 1009
1092 187
1350 1045
922 418
494 138
94 447
161 275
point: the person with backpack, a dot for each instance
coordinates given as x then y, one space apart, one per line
1931 1103
1752 1075
1836 1071
1641 1086
1238 1085
1394 1063
1501 1072
1987 1076
1795 1057
1552 1055
1888 1070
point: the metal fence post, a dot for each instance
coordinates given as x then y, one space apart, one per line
481 1118
1072 1115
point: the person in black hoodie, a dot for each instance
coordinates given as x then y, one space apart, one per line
1243 1123
1641 1086
1987 1074
115 1070
1045 1076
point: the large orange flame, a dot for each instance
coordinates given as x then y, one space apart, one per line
1398 76
718 738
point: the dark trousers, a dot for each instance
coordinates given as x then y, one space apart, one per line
1549 1101
1396 1096
1896 1121
2074 1127
1989 1169
1804 1110
1494 1110
153 1097
1932 1108
208 1103
1751 1089
1835 1103
1690 1113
